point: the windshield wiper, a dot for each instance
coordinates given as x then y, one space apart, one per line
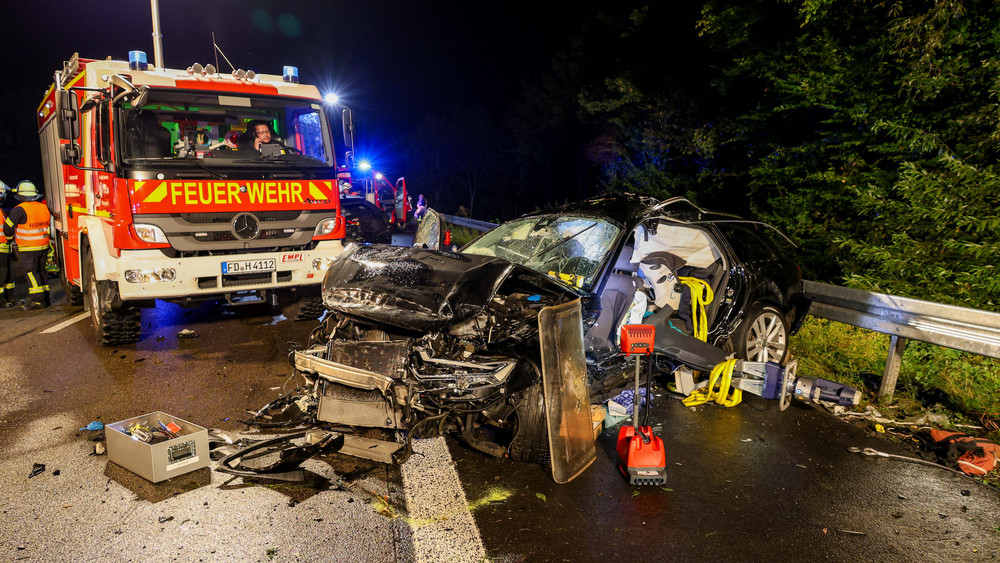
209 170
171 160
561 242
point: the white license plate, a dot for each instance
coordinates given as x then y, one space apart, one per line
248 266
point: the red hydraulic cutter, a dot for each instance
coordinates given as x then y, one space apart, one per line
641 457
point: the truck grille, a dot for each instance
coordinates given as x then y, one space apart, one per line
263 216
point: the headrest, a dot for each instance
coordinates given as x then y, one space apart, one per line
624 262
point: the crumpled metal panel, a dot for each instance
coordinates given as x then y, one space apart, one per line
412 288
567 395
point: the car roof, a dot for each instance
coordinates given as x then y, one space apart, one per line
628 209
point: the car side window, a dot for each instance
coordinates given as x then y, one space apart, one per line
748 245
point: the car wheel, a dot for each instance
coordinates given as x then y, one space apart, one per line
531 441
762 336
113 327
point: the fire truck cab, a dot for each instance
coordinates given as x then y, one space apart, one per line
160 187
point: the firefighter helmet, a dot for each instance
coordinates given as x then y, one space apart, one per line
26 191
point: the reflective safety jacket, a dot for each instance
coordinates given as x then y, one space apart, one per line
30 222
4 245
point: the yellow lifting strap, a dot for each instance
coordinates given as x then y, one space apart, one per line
719 388
701 295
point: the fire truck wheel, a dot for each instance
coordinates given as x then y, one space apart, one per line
301 307
113 326
74 295
531 440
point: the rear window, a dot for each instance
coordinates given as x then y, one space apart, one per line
748 242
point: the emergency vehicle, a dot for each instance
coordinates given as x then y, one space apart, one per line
157 190
361 180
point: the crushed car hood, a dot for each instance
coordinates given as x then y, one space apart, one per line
413 288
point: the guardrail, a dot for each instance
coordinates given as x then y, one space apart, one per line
473 224
905 319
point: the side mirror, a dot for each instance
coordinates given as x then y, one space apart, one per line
348 129
68 113
141 97
69 154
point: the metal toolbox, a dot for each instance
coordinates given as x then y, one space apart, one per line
162 460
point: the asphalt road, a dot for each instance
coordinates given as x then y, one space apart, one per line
747 483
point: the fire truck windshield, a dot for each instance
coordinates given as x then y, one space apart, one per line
173 128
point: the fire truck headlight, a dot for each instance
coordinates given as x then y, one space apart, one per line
322 264
150 233
150 275
325 227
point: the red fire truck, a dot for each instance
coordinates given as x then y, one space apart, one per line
158 190
365 182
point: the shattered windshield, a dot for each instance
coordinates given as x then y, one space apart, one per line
204 129
567 248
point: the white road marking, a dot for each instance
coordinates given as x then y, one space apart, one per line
443 526
65 324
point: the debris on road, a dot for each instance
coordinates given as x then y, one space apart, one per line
187 333
280 458
974 456
95 425
37 469
874 452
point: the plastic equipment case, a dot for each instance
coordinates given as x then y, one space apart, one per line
162 460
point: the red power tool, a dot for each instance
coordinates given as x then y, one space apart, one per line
641 457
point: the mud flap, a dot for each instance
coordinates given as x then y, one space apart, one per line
567 395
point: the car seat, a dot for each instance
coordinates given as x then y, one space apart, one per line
619 293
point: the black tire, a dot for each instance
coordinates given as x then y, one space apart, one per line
74 295
531 439
296 306
112 326
762 335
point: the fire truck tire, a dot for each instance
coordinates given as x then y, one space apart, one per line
74 295
112 326
305 308
531 439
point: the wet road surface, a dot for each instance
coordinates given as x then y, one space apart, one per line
748 483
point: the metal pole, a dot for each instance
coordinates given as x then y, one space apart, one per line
635 399
157 36
897 345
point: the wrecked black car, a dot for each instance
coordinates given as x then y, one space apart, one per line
437 341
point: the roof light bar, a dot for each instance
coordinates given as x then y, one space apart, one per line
137 60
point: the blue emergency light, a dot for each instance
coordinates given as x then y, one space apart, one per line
290 74
137 60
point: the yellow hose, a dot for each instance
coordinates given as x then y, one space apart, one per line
719 388
701 295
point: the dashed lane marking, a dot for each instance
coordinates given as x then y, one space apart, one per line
65 324
443 526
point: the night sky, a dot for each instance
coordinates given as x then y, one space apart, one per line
391 61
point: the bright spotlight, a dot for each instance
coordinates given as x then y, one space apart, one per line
331 98
364 165
378 175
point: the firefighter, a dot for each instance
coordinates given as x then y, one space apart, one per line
28 227
6 275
